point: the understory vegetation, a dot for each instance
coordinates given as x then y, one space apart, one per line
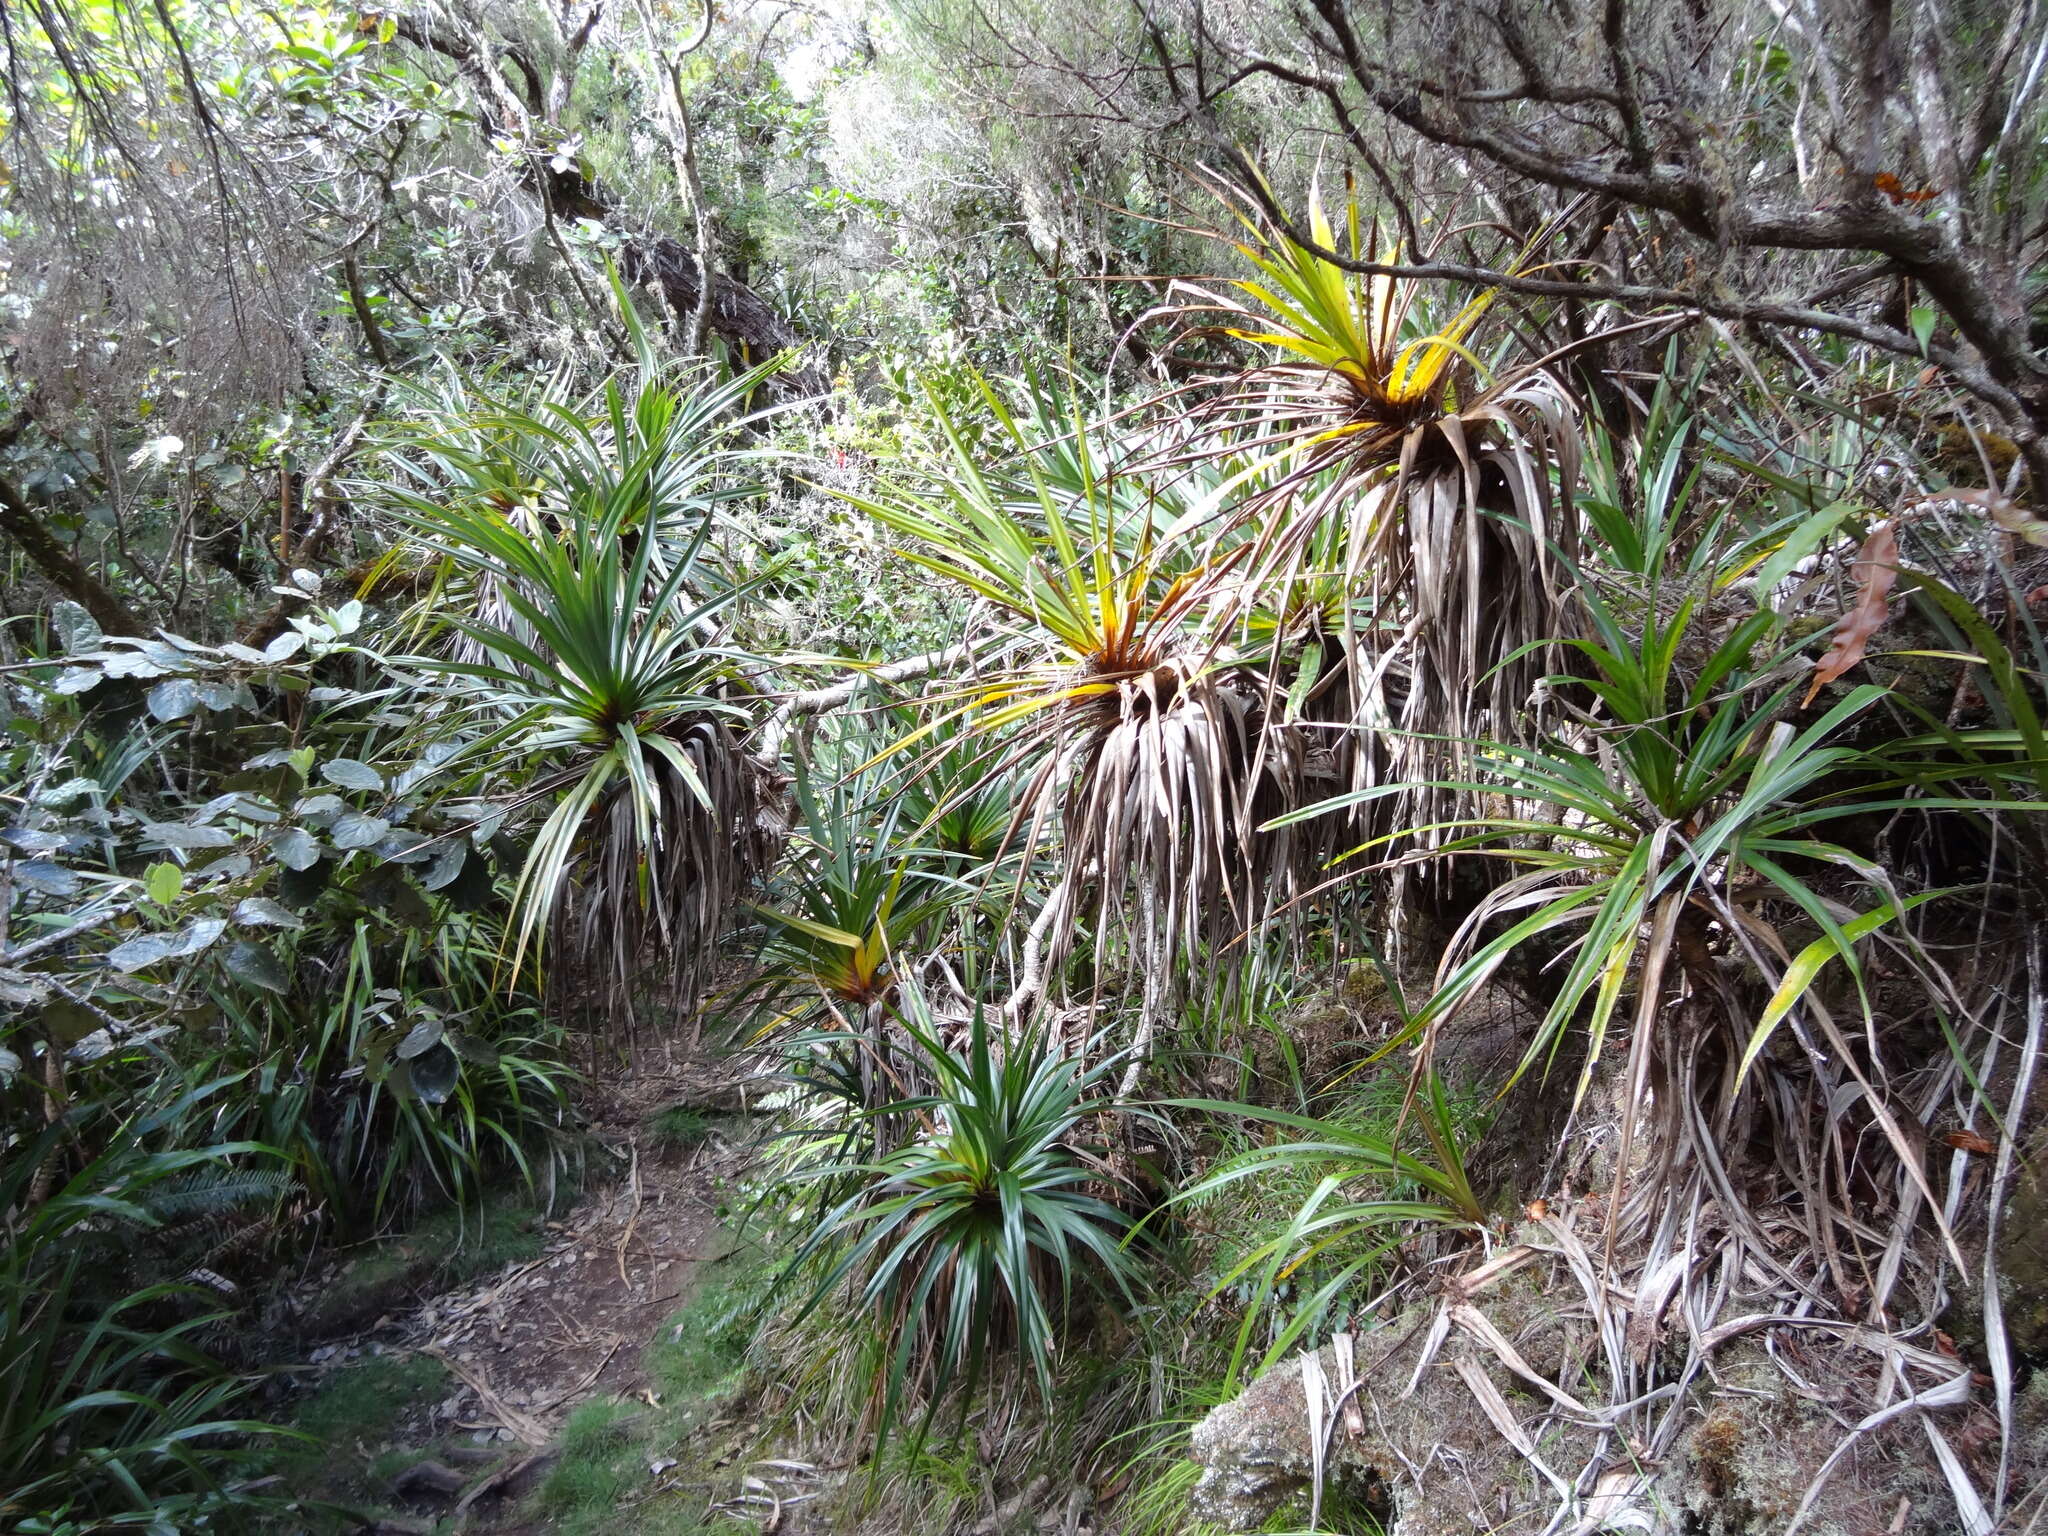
1324 731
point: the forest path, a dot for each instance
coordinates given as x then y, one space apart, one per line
528 1344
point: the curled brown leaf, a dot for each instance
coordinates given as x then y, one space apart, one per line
2005 513
1877 562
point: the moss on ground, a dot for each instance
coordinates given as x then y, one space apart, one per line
605 1478
446 1250
364 1423
351 1440
679 1127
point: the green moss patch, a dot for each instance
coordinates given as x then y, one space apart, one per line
446 1250
646 1468
361 1425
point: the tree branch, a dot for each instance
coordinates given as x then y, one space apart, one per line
574 41
373 333
63 569
682 137
319 494
733 311
767 745
2004 372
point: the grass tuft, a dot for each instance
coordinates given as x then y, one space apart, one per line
599 1464
679 1127
355 1423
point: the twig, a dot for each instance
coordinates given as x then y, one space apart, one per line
523 1425
590 1376
499 1478
49 941
318 494
633 1220
776 728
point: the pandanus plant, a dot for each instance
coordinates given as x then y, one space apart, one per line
954 800
586 648
1659 858
842 914
1435 487
971 1236
1113 690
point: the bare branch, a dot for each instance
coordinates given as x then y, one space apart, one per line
767 745
60 567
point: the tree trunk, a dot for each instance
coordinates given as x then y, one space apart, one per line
740 317
62 568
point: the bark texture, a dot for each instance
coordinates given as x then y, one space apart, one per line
60 567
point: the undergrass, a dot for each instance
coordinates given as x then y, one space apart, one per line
1254 1211
598 1465
679 1127
701 1348
446 1250
601 1483
1157 1505
354 1445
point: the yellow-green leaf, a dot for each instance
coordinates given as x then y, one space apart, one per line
816 930
1807 964
163 882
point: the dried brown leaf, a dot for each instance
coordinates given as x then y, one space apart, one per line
1878 561
2008 515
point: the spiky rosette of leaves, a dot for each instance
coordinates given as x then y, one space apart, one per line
1685 811
1116 693
846 906
595 662
1434 487
952 801
968 1239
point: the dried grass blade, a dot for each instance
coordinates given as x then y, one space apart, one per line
1480 1326
1976 1520
1996 1342
1945 1394
1496 1409
1312 1392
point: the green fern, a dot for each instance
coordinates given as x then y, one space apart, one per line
210 1192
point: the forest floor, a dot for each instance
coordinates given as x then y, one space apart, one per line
447 1410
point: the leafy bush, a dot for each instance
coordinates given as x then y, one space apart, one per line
309 933
401 1077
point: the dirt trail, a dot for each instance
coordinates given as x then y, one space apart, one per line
526 1345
